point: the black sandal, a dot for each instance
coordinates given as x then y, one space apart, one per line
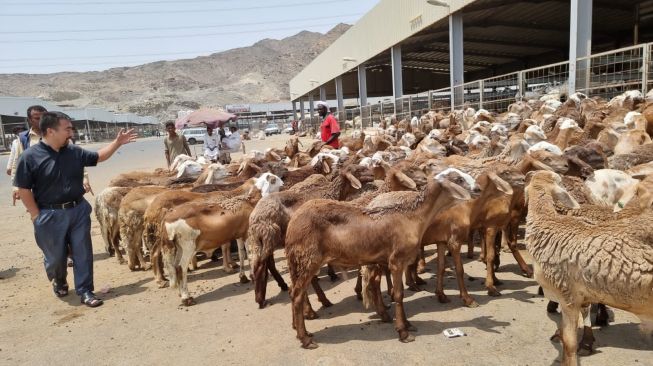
60 290
89 299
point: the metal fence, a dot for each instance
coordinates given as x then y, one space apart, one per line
500 91
539 80
609 74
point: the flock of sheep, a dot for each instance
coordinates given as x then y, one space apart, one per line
578 172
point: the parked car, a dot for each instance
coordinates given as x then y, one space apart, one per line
289 130
194 135
272 129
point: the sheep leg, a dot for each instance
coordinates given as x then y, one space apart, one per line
468 300
226 258
127 238
332 273
298 297
141 258
308 311
512 245
358 289
115 243
275 274
187 252
193 263
377 298
261 281
241 259
470 245
388 281
320 293
490 234
482 234
439 282
421 263
570 313
157 266
401 323
411 277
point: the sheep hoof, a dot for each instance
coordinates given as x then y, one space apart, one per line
188 301
229 270
443 299
359 296
334 277
283 287
552 307
385 318
244 279
414 288
419 281
470 303
122 261
163 284
309 344
493 292
326 303
311 315
527 274
146 267
540 291
263 304
407 338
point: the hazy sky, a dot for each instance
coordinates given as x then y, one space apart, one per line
44 36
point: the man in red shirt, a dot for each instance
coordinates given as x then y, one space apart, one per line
329 129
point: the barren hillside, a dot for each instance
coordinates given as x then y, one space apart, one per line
256 74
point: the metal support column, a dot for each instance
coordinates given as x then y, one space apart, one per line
430 100
646 63
397 75
481 87
302 111
520 84
340 98
456 65
2 133
323 96
580 43
294 110
362 85
311 107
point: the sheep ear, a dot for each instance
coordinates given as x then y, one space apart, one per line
326 167
406 181
639 176
456 191
241 167
501 184
353 181
565 198
540 165
275 155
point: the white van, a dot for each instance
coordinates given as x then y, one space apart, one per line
194 135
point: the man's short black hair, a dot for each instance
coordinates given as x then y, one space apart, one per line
51 120
233 128
170 123
38 108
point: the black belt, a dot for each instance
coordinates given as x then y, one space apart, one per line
60 206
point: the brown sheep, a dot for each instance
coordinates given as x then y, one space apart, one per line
203 224
386 232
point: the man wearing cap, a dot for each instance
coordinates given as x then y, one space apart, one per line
329 129
49 179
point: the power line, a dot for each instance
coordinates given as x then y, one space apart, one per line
181 28
197 53
158 36
288 5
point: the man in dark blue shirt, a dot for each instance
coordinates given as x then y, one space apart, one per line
49 177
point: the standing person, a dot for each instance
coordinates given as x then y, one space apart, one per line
174 143
211 145
13 155
27 139
329 129
233 142
49 180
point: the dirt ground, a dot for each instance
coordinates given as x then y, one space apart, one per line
140 324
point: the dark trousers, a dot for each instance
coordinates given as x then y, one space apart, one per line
55 231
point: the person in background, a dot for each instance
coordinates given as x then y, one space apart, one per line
174 144
329 129
233 142
27 139
211 145
13 155
49 180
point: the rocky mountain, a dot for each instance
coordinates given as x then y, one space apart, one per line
256 74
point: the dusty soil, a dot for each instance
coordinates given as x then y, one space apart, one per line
140 324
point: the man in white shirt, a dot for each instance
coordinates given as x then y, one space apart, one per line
211 145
